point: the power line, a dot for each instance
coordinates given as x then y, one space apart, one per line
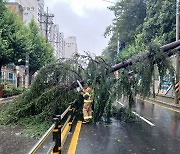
46 22
50 11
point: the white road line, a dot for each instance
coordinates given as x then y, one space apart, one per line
147 121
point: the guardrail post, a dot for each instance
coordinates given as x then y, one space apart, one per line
56 136
59 135
71 113
71 119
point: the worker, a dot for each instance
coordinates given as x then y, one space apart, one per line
88 95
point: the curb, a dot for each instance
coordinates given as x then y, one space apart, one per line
165 103
8 99
161 95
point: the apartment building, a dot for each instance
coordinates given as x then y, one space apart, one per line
70 47
61 45
16 8
30 10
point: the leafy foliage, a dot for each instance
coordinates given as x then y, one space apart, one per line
141 27
16 39
126 115
51 91
129 16
136 24
14 42
8 92
41 53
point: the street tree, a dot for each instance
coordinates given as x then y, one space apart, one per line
14 42
129 15
54 85
42 52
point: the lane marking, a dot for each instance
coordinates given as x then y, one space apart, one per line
147 121
63 136
73 144
152 102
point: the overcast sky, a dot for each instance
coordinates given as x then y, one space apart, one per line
85 19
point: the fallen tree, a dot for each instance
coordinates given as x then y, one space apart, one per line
55 85
169 49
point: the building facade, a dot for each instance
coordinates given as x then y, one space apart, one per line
61 45
13 75
70 47
16 8
34 9
30 10
56 39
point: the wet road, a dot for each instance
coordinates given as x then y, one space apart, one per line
136 138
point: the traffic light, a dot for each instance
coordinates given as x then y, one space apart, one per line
177 87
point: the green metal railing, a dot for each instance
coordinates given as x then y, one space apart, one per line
59 131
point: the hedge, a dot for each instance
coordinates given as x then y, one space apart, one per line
8 92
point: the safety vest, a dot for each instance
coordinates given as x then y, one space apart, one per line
88 96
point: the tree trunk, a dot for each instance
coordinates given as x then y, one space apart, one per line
168 48
153 86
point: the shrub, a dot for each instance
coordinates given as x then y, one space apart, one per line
8 92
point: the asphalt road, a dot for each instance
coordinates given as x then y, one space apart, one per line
135 138
13 141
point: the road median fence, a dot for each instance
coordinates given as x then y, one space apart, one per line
60 128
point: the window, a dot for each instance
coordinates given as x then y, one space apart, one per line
10 76
25 13
2 75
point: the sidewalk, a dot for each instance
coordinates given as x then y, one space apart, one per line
8 99
165 100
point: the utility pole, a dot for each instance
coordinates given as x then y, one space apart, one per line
47 21
46 29
177 55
